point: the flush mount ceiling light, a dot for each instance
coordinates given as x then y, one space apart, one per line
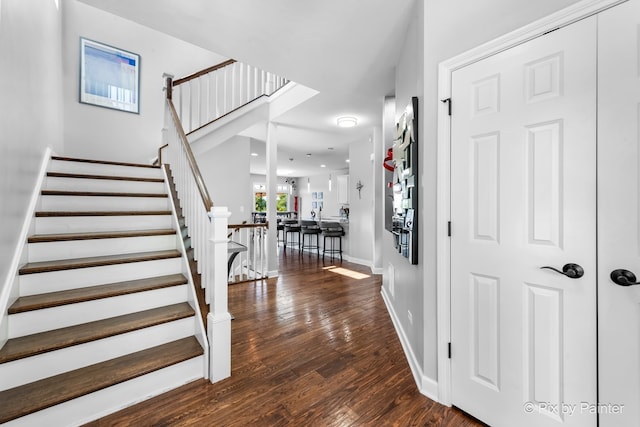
347 122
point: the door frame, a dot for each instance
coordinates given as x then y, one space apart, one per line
562 18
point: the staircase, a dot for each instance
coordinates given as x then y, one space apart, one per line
106 314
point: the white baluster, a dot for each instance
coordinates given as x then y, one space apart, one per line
177 97
203 104
218 96
234 86
254 83
246 84
195 102
211 97
240 85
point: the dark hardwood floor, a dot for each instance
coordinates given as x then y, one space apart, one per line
314 347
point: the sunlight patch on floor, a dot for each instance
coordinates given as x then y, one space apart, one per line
346 272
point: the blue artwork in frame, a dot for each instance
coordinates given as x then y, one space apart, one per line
109 77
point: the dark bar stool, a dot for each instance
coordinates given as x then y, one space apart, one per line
291 227
280 232
332 231
310 228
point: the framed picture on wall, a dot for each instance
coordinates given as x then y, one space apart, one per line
109 77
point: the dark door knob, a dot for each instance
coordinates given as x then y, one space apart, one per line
572 271
623 277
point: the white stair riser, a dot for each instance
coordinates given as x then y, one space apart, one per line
23 371
87 184
49 251
32 322
103 203
81 224
40 283
102 169
95 405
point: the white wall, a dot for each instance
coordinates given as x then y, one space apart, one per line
30 108
361 203
330 205
96 132
440 29
225 170
409 280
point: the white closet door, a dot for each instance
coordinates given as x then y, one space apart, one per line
619 214
523 196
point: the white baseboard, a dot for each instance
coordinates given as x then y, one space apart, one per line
366 263
354 260
427 386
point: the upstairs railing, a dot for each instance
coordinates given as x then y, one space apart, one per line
210 94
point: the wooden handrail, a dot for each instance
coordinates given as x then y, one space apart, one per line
160 153
248 225
234 229
203 72
202 188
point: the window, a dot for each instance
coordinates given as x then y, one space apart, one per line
261 202
281 205
282 201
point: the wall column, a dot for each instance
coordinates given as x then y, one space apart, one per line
378 199
272 197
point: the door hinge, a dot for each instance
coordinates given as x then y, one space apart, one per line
448 102
449 350
449 229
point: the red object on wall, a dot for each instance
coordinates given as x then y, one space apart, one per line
389 158
295 203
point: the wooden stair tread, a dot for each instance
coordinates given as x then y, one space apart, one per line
32 397
30 345
100 193
43 214
72 296
62 237
104 162
105 177
68 264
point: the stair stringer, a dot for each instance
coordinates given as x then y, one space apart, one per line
192 298
10 285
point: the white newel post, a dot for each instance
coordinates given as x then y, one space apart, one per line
218 319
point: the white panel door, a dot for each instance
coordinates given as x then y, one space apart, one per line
619 214
523 196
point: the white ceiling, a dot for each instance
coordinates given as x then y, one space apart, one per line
345 49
